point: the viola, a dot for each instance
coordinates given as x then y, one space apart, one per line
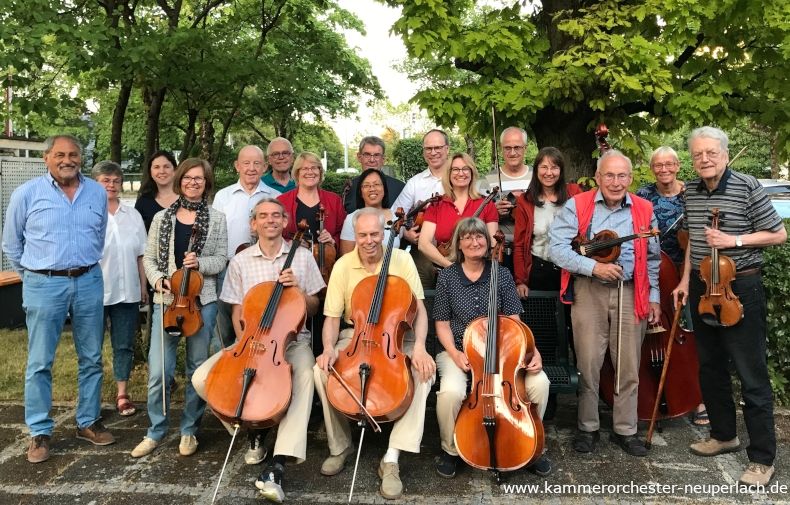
444 247
719 306
325 254
604 246
182 317
373 366
414 218
251 382
497 428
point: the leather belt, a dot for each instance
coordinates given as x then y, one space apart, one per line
69 272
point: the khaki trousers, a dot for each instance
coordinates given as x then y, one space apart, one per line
452 391
406 432
292 430
594 316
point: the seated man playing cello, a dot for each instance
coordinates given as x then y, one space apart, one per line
263 262
461 294
364 261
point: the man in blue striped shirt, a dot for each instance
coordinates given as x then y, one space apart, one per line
54 236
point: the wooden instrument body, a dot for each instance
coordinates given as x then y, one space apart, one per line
519 435
182 317
325 254
269 393
719 306
390 389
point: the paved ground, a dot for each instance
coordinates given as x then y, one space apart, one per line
79 473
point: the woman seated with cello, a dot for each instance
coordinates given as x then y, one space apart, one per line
372 190
462 291
188 238
459 181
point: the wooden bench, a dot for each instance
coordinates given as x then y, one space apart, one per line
12 315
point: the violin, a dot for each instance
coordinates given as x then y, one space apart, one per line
251 382
325 254
719 306
604 246
182 318
497 428
444 247
414 218
374 366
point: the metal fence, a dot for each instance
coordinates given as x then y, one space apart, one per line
13 173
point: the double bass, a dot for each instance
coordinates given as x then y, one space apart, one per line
251 382
497 428
182 318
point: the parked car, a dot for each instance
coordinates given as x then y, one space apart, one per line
779 192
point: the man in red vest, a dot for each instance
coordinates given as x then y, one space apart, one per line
597 289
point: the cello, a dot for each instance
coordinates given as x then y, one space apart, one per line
374 368
444 247
182 317
324 254
497 428
251 382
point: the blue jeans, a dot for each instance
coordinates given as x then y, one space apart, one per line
47 300
123 325
223 334
197 353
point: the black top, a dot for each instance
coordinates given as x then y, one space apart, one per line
147 206
394 187
460 300
310 214
181 242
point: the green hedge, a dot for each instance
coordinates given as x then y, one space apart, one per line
776 279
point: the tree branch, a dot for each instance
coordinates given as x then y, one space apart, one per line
689 51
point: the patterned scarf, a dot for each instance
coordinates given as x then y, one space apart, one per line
200 228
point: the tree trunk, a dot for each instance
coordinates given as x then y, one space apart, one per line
153 99
471 150
118 116
189 137
207 141
569 133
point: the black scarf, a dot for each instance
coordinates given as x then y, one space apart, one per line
200 228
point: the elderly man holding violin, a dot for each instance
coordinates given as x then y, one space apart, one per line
612 302
748 223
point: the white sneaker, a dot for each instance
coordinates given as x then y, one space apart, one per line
144 448
257 452
188 445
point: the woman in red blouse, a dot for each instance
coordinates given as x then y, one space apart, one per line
534 213
461 200
302 202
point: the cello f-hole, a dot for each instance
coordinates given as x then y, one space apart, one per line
511 397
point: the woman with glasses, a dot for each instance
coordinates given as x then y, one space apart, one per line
535 211
156 189
125 285
461 199
303 201
372 190
193 235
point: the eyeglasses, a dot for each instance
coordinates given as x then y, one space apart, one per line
513 149
711 155
280 154
433 149
193 180
619 177
458 170
662 166
473 237
310 169
114 182
373 156
549 167
375 185
247 164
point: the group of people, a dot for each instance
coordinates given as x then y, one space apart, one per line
85 255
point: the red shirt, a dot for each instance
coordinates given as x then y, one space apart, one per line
445 215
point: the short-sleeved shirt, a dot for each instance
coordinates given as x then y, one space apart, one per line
349 271
744 208
251 267
269 180
445 214
460 300
667 210
237 205
124 242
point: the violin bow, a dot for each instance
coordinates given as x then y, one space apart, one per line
162 338
496 148
225 463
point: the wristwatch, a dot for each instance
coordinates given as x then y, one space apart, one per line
738 241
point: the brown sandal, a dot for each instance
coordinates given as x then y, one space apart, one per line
124 406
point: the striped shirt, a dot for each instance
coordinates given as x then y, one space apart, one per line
744 208
250 267
44 230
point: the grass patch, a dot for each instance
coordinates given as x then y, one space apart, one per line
13 360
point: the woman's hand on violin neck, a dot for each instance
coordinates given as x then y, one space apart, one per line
325 237
460 359
608 271
522 290
288 278
422 362
191 261
326 359
163 285
655 313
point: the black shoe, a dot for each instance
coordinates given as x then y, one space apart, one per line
541 467
584 441
630 444
446 464
270 482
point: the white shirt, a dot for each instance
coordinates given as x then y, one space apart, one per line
544 216
347 233
419 188
510 184
124 242
237 205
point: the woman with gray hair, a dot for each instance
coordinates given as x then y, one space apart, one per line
125 285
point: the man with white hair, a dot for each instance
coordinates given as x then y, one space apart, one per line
280 155
516 174
598 289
